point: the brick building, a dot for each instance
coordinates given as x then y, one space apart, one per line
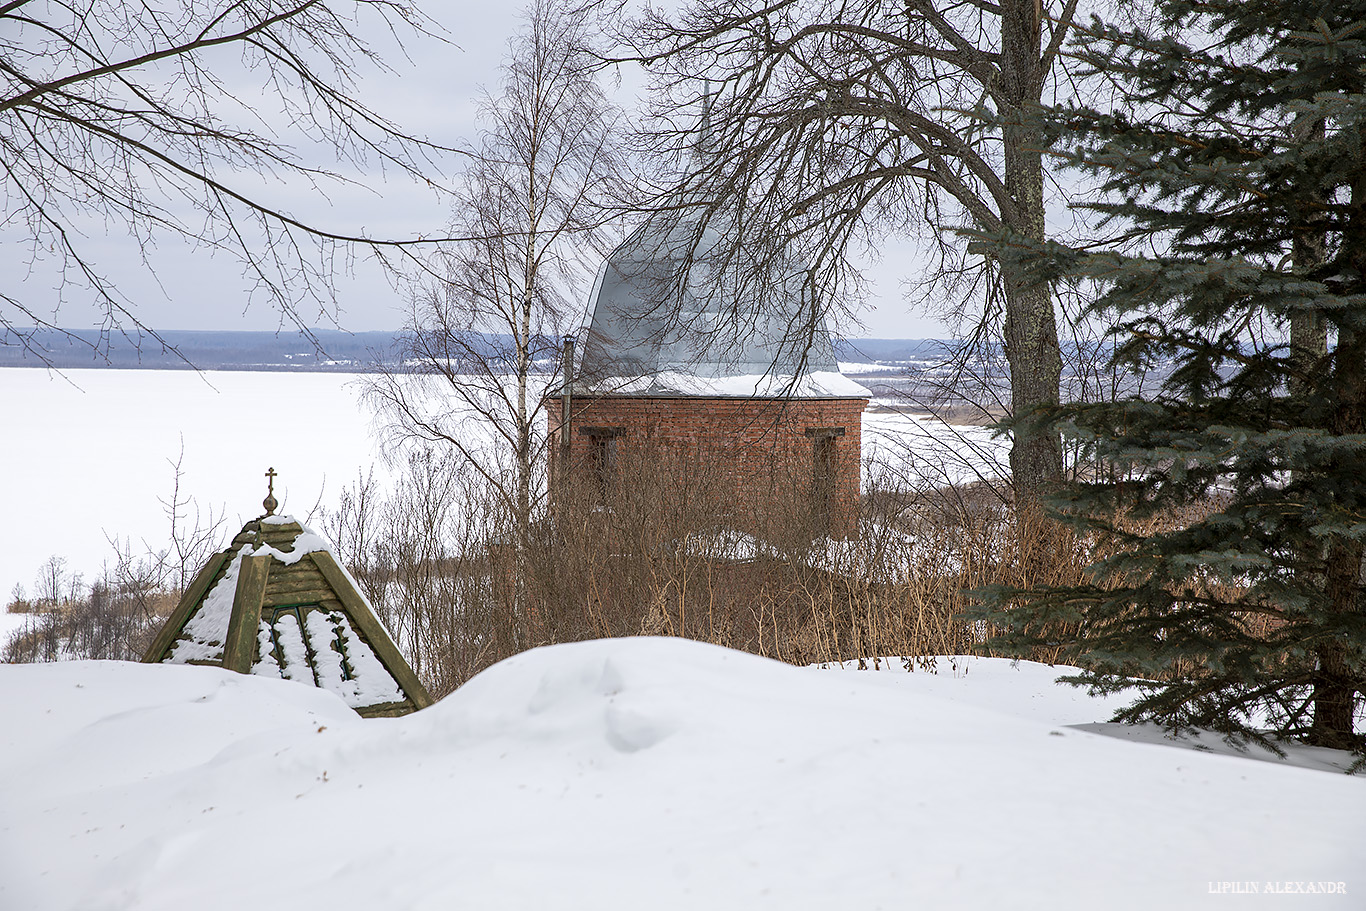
674 380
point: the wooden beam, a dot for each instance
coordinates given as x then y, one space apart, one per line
170 630
371 629
276 598
288 578
239 648
386 709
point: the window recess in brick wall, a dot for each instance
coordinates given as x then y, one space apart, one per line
602 457
823 470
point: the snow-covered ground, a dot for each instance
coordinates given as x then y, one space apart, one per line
642 774
922 451
860 368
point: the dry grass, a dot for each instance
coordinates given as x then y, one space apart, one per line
664 552
106 621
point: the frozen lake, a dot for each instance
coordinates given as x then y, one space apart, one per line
88 454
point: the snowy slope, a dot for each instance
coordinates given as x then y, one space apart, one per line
638 774
925 452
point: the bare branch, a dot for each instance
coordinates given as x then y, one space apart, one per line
125 114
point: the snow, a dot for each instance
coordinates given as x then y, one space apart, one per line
923 451
727 544
265 665
293 651
91 454
857 368
322 631
306 542
207 630
640 773
815 384
14 624
329 636
369 682
881 551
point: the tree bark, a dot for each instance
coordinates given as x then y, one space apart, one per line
1335 684
1031 332
1309 249
1335 681
1335 678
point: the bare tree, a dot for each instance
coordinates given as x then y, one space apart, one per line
157 120
833 122
481 345
117 614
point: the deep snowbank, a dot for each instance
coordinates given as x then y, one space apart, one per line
640 774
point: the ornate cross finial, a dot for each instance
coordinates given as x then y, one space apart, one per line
269 502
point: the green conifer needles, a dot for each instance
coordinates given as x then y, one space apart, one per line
1230 517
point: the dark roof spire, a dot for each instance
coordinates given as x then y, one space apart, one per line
700 150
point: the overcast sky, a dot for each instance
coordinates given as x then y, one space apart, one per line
436 94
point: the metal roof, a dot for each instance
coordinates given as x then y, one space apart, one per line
664 322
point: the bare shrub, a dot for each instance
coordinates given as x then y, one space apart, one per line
666 549
114 618
405 549
663 548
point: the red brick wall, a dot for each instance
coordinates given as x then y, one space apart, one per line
757 446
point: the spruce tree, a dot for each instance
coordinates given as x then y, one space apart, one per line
1234 179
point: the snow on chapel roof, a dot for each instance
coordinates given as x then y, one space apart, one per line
640 342
277 603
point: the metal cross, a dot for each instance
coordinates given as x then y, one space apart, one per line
270 502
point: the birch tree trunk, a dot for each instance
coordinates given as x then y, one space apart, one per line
529 210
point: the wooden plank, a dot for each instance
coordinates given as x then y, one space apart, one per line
372 630
170 630
314 582
283 580
280 536
239 648
276 598
302 566
280 528
386 709
282 541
